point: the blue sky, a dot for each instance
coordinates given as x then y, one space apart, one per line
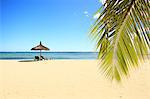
61 25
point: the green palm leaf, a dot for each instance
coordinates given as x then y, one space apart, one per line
122 35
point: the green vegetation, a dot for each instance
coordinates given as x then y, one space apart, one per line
122 36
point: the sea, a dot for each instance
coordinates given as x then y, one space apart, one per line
48 55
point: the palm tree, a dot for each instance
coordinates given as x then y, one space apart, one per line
122 36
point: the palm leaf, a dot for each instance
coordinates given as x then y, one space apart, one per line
122 36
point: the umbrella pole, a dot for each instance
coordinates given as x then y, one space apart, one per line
40 53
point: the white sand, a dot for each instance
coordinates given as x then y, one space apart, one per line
68 79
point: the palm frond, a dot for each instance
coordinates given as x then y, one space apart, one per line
122 36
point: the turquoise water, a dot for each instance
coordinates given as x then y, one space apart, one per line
49 55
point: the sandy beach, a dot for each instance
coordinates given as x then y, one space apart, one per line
68 79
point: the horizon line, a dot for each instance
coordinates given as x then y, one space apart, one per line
51 51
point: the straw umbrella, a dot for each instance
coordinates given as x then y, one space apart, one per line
40 47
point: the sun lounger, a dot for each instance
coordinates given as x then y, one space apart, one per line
36 58
43 58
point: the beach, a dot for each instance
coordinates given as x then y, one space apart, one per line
69 79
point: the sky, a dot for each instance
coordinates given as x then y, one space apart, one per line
61 25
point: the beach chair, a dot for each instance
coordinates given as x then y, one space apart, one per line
36 58
43 58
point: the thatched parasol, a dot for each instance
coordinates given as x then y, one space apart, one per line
40 47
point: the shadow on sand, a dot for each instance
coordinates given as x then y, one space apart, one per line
27 61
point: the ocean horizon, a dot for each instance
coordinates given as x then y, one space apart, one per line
25 55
